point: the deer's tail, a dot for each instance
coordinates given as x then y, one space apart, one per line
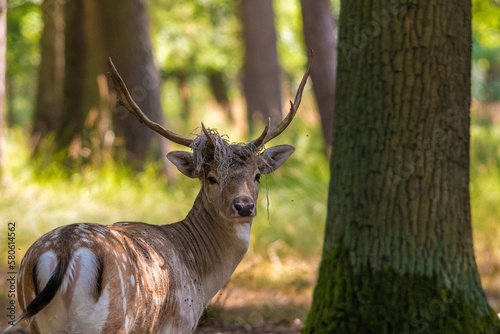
44 297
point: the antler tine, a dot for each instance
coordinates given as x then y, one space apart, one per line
257 143
265 136
209 138
125 99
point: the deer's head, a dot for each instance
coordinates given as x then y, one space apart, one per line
229 173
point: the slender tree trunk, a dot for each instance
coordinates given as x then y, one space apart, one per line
51 73
184 93
74 108
3 69
398 254
261 82
319 32
219 90
126 35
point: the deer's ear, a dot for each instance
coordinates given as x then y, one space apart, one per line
184 163
274 157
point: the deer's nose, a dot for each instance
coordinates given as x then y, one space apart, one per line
244 206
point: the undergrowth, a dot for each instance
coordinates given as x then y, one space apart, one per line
40 199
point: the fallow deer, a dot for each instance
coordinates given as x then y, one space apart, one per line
138 278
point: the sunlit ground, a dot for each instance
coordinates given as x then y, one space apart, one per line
276 279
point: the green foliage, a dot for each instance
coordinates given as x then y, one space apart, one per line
24 28
485 180
291 46
193 36
485 73
486 23
486 50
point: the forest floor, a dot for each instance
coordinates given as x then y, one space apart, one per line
267 297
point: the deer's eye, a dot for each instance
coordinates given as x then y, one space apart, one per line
212 180
257 177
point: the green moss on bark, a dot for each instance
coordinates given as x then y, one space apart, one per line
371 301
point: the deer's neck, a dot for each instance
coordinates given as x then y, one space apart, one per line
215 246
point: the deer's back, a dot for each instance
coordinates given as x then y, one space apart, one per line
124 278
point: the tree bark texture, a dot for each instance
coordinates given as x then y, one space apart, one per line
51 73
3 69
261 82
126 38
319 32
398 254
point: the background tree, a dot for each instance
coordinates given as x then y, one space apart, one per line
125 31
220 91
261 81
74 109
398 254
96 30
319 32
51 73
3 46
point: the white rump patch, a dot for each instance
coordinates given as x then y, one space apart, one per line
45 267
87 272
79 314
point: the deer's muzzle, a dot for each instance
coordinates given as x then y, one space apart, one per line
244 206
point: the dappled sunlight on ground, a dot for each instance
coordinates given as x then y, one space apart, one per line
488 263
266 290
265 295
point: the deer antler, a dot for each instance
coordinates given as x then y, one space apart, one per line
210 142
126 100
267 136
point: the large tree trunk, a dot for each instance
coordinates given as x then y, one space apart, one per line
3 69
319 26
398 254
126 36
51 74
261 82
